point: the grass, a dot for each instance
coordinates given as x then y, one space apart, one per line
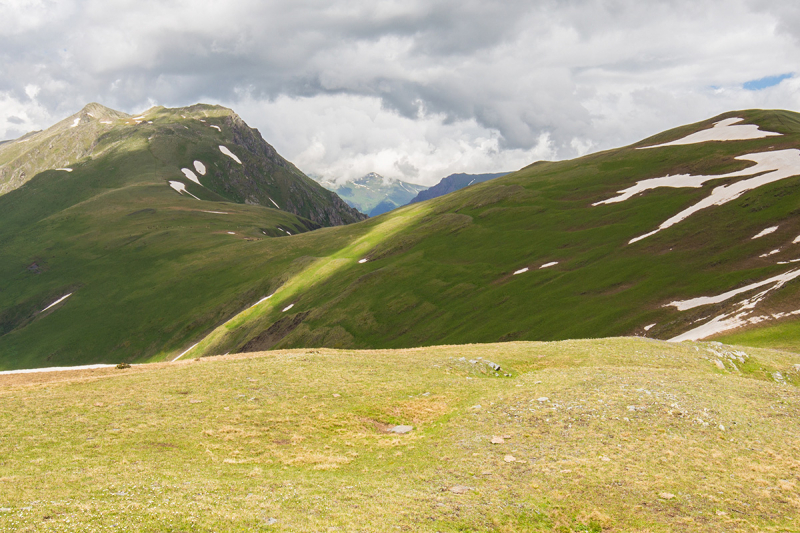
296 440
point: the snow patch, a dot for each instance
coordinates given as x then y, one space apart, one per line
521 271
65 169
105 122
772 166
56 302
216 127
224 150
54 369
773 252
548 265
231 233
216 212
76 122
200 168
362 260
287 308
778 281
264 299
796 240
190 175
181 188
766 231
273 202
184 353
724 130
648 328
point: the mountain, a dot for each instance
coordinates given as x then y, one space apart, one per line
667 238
374 194
452 183
122 237
677 236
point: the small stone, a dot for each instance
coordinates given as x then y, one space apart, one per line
271 521
195 401
509 458
604 458
797 368
401 429
721 427
543 399
666 495
498 440
719 364
337 395
459 489
721 513
98 404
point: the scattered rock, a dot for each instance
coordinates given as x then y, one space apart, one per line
719 364
459 489
401 429
666 495
509 458
498 440
271 521
195 401
543 399
604 458
493 366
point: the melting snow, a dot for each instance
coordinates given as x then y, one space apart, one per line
362 260
772 167
231 233
521 271
191 175
224 150
648 328
773 252
181 188
788 262
273 202
76 122
56 302
765 232
105 122
216 212
55 369
184 353
724 130
547 265
200 168
778 281
796 240
287 308
217 127
264 299
65 169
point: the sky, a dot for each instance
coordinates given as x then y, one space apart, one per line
410 89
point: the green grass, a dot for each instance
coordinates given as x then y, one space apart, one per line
299 436
150 285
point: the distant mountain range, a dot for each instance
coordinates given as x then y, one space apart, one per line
452 183
374 194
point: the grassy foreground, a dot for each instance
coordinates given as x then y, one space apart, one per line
597 435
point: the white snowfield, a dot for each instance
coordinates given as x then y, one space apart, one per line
772 166
65 169
766 231
191 175
362 261
273 202
224 150
724 130
744 313
54 369
200 168
796 240
56 302
76 122
648 328
216 212
216 127
264 299
181 188
521 271
287 308
184 353
548 265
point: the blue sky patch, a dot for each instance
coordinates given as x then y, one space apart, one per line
763 83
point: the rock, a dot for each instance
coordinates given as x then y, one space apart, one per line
401 429
195 401
337 395
666 495
721 513
797 368
494 366
498 440
543 399
271 521
459 489
721 427
604 458
509 458
719 364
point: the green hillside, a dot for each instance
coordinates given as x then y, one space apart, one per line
608 435
443 271
534 255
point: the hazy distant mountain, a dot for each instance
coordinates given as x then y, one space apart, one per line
375 194
452 183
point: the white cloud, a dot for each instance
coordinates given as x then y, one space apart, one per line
412 88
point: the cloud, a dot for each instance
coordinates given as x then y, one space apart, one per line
408 88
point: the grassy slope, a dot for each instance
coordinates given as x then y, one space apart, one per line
300 436
440 272
149 269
